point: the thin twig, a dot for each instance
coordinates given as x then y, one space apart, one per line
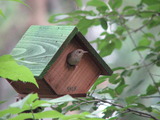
32 112
143 114
129 68
139 113
144 25
146 97
155 75
134 43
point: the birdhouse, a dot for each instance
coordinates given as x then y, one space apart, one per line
45 50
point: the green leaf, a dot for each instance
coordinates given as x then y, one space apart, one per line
144 42
131 99
113 118
128 8
75 116
120 30
53 18
103 23
79 3
1 102
96 3
127 73
114 79
154 7
107 50
25 102
148 35
2 14
145 14
118 68
102 9
118 43
119 89
157 44
143 107
98 81
130 12
110 91
9 69
84 24
45 114
82 13
10 111
157 49
151 90
19 1
86 107
141 48
109 111
92 119
115 3
66 98
150 55
150 2
158 61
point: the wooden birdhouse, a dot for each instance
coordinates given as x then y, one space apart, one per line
44 50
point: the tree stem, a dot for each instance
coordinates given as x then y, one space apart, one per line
134 43
139 113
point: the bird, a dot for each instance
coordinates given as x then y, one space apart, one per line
74 57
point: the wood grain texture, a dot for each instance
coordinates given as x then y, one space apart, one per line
105 69
72 80
51 96
38 46
26 88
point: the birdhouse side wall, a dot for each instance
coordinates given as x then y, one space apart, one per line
26 88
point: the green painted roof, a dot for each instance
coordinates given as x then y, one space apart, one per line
39 44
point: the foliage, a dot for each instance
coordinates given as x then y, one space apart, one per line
9 69
117 21
19 1
32 107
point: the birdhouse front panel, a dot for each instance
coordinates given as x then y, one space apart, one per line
45 51
66 79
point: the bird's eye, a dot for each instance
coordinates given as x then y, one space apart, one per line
79 51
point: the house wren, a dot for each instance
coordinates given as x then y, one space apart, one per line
75 56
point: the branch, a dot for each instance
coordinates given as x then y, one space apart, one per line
139 113
146 97
144 24
155 75
132 68
32 112
134 43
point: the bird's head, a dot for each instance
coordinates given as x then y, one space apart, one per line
80 52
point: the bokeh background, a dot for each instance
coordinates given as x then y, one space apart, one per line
19 18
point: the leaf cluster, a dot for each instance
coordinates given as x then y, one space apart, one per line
117 22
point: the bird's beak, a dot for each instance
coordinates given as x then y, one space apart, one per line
85 51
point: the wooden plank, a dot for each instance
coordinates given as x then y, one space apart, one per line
51 96
39 47
68 80
26 88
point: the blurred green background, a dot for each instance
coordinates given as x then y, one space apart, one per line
18 18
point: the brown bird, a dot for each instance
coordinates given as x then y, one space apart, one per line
75 56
